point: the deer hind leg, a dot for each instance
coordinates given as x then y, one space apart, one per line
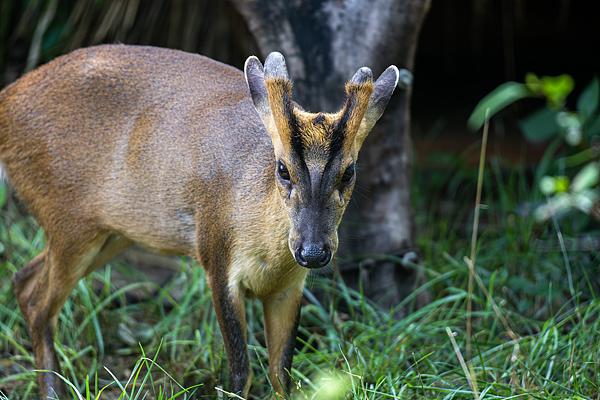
24 280
42 287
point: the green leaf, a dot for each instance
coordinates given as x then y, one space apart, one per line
3 194
551 184
579 158
540 126
587 103
533 83
586 178
570 125
496 100
585 200
592 127
556 89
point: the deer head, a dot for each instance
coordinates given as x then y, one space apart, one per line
315 153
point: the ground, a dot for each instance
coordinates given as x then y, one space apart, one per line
535 326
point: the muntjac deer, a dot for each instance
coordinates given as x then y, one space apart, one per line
114 145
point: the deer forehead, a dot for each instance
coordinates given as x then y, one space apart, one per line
293 130
316 131
317 138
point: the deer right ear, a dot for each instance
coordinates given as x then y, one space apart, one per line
270 90
255 78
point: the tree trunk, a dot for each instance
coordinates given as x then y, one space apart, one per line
324 43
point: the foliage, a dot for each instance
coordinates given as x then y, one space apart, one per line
580 129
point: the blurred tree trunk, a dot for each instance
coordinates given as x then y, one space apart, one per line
324 43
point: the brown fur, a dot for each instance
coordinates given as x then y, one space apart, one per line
317 127
280 101
357 100
113 145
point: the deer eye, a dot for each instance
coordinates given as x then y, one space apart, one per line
283 171
349 173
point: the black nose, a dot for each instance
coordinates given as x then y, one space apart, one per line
313 256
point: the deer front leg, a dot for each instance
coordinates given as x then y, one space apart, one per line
282 314
230 310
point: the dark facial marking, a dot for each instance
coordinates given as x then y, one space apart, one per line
348 174
297 145
334 135
338 135
319 119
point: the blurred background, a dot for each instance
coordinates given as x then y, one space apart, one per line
531 66
466 48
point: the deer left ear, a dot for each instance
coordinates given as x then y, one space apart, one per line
382 91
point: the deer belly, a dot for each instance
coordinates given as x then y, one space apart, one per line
166 232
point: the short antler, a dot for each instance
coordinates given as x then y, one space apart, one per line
358 91
279 88
275 67
271 92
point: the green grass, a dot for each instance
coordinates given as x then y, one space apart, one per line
536 327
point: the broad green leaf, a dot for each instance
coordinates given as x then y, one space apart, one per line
540 126
586 178
587 103
496 100
585 200
592 127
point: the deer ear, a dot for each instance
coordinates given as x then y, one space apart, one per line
274 70
255 78
270 90
382 91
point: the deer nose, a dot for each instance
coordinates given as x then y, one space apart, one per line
313 256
